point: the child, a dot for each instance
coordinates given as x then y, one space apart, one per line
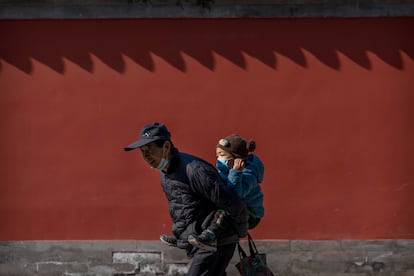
241 172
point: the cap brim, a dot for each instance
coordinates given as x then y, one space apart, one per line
139 143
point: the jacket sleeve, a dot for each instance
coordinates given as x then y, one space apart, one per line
207 184
241 182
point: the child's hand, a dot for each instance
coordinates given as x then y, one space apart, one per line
238 164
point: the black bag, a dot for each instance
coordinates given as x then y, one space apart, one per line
253 265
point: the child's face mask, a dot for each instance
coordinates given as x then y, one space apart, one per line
223 160
222 163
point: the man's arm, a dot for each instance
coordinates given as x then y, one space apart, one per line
207 183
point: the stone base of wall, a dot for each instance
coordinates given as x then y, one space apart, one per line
295 257
104 9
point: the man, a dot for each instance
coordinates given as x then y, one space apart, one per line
194 192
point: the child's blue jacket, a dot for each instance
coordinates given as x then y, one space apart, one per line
245 183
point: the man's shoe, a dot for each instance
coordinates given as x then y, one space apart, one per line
169 240
204 241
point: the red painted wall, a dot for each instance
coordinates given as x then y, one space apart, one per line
329 102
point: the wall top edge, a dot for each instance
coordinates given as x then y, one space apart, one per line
139 10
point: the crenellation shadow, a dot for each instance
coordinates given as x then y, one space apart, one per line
50 41
112 59
266 57
22 62
392 58
51 59
235 56
144 59
203 55
408 50
83 59
327 56
172 57
359 57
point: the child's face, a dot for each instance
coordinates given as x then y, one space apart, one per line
220 153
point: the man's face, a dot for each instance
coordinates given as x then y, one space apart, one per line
153 154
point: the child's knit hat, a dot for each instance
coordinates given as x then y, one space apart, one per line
237 146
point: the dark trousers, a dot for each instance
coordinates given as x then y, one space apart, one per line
208 263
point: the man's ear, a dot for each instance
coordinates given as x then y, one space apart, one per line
167 146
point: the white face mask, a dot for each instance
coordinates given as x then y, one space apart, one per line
163 164
164 161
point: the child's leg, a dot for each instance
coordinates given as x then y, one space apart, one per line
218 224
207 240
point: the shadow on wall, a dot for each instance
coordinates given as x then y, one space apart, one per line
49 41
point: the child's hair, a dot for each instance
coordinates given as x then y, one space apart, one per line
251 145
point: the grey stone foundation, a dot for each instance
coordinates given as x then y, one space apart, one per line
103 9
294 257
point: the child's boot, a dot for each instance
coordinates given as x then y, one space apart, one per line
207 240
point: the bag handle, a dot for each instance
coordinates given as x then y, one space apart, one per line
252 246
242 253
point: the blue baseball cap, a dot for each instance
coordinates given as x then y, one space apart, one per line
150 133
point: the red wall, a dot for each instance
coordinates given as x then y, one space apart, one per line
329 102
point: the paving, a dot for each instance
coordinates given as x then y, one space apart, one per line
131 257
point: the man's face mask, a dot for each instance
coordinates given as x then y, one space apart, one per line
164 161
163 164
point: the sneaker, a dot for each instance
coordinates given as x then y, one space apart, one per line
169 240
204 241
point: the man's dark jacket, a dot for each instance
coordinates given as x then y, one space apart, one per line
194 189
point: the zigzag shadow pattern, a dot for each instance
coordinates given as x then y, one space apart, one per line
49 41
